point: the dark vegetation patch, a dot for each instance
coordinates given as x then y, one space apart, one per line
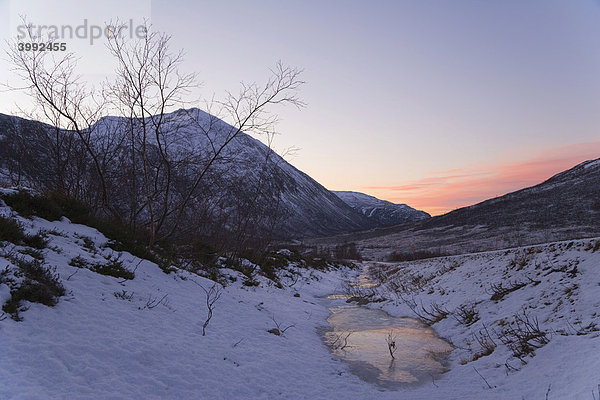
122 237
12 231
33 282
193 255
53 206
275 264
399 256
33 253
79 262
113 268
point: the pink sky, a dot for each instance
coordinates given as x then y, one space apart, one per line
444 191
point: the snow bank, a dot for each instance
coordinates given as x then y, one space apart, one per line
555 285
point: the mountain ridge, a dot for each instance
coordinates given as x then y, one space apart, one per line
566 206
307 208
383 212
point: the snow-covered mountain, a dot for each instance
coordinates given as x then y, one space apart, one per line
382 212
307 209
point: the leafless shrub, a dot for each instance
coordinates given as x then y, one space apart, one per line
391 343
523 336
570 269
378 274
70 107
485 341
361 295
533 282
341 340
598 388
570 290
435 313
293 277
466 314
520 260
73 274
572 273
499 290
578 328
123 295
212 296
417 281
279 330
485 380
408 284
449 267
154 302
414 255
145 168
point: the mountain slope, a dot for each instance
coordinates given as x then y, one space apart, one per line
383 212
246 174
566 206
305 206
568 199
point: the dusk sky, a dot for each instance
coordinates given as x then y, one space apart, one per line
437 104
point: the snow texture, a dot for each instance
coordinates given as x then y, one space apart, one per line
95 345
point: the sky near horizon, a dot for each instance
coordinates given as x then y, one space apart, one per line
437 104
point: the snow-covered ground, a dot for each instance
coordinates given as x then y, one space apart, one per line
111 338
555 287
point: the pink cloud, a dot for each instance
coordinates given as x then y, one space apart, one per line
455 188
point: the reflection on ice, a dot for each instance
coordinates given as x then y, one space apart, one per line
358 335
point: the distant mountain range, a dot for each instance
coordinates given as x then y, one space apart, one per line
566 206
382 212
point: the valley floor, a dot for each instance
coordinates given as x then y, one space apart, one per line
111 338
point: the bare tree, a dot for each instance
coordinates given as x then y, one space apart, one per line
391 343
62 98
159 170
246 112
212 296
148 85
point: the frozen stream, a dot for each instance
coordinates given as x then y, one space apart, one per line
359 336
